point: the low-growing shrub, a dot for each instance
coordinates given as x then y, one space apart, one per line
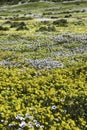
45 22
23 18
47 28
7 22
51 28
77 3
83 10
22 24
14 24
3 28
79 23
54 17
61 22
21 27
1 17
67 16
47 13
43 28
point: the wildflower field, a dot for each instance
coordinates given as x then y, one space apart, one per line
43 66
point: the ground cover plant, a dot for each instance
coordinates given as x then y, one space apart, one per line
43 66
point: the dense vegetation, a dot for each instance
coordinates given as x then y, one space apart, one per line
43 66
48 99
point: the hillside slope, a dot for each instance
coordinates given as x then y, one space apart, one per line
43 66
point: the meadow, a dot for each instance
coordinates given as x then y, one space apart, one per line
43 66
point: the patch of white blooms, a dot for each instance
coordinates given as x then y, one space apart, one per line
23 123
29 120
18 117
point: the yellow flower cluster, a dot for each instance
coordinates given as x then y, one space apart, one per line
53 99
